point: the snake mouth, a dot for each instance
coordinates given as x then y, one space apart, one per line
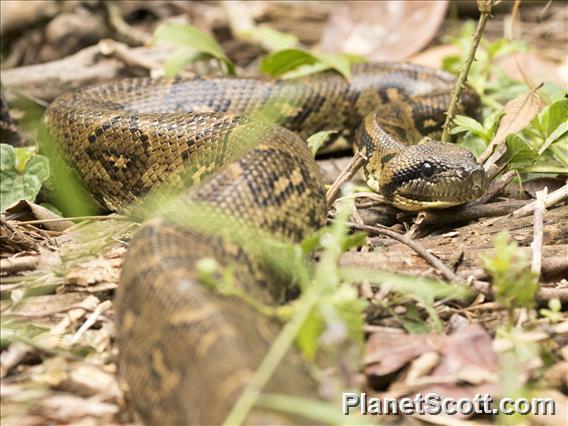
447 189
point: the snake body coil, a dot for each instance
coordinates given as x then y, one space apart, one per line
186 351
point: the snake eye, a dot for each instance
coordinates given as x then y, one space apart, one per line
427 169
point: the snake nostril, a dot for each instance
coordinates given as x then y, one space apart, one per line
478 179
461 172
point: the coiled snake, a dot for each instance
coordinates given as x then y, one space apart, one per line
186 351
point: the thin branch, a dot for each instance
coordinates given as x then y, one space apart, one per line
485 9
552 199
352 168
536 245
467 213
131 34
429 257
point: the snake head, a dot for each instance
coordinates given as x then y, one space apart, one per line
432 175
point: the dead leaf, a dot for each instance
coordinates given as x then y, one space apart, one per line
462 364
26 210
387 352
535 67
383 30
519 112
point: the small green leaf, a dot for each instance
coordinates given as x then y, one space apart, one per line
316 140
22 157
182 56
269 38
18 185
278 64
308 336
514 283
354 240
184 35
464 123
553 116
554 136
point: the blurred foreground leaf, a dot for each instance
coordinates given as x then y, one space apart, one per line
293 63
192 43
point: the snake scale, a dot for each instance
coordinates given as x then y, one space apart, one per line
186 351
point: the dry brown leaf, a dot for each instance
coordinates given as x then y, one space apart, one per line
387 352
383 30
534 66
464 366
519 112
26 210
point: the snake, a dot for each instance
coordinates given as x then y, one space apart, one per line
237 147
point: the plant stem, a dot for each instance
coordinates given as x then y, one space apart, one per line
485 9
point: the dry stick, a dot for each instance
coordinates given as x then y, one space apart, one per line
129 56
467 213
352 168
552 199
430 258
485 9
536 245
131 34
18 264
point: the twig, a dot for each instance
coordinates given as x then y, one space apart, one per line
127 55
543 296
352 168
485 9
429 257
17 264
536 245
552 199
101 307
467 213
546 294
129 33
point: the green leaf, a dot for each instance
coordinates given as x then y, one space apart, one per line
308 336
553 116
269 38
354 240
520 151
464 123
278 64
316 140
16 185
182 56
514 283
317 411
305 70
554 136
184 35
22 157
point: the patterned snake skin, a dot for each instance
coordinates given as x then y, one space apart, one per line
187 351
